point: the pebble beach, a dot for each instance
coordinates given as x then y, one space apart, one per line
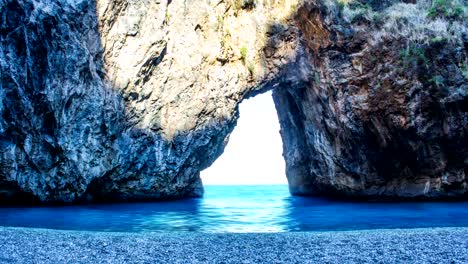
430 245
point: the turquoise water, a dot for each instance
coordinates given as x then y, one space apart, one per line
240 209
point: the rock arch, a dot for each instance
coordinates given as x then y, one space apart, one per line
128 100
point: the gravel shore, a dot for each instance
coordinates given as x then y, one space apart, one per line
439 245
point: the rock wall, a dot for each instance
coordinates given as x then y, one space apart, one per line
114 100
384 112
122 100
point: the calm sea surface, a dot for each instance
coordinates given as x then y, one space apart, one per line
240 209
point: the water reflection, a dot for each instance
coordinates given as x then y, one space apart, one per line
245 208
240 209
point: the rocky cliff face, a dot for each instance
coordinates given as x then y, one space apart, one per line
384 112
127 100
122 100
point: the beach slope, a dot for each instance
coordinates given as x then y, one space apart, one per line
439 245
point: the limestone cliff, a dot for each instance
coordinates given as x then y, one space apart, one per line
122 100
127 100
384 112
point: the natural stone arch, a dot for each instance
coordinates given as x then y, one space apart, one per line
129 117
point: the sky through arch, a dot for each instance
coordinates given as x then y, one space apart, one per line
254 153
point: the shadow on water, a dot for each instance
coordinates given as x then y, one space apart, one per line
126 217
305 213
241 209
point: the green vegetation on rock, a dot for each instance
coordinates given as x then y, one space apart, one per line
245 4
414 54
243 52
354 11
450 9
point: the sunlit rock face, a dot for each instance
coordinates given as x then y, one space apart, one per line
384 112
123 100
129 100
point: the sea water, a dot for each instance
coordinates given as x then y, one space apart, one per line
240 209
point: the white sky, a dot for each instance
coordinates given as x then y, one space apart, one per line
254 152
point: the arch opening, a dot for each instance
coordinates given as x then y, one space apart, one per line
253 155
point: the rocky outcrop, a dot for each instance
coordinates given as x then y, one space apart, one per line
128 100
122 100
384 112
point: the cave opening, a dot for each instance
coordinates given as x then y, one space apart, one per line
253 155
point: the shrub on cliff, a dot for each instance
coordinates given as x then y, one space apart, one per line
449 9
245 4
354 11
411 22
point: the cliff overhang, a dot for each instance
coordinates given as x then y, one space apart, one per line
114 100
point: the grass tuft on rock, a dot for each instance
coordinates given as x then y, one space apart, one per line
447 9
243 52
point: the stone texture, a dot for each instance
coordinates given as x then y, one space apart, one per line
384 113
122 100
127 100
